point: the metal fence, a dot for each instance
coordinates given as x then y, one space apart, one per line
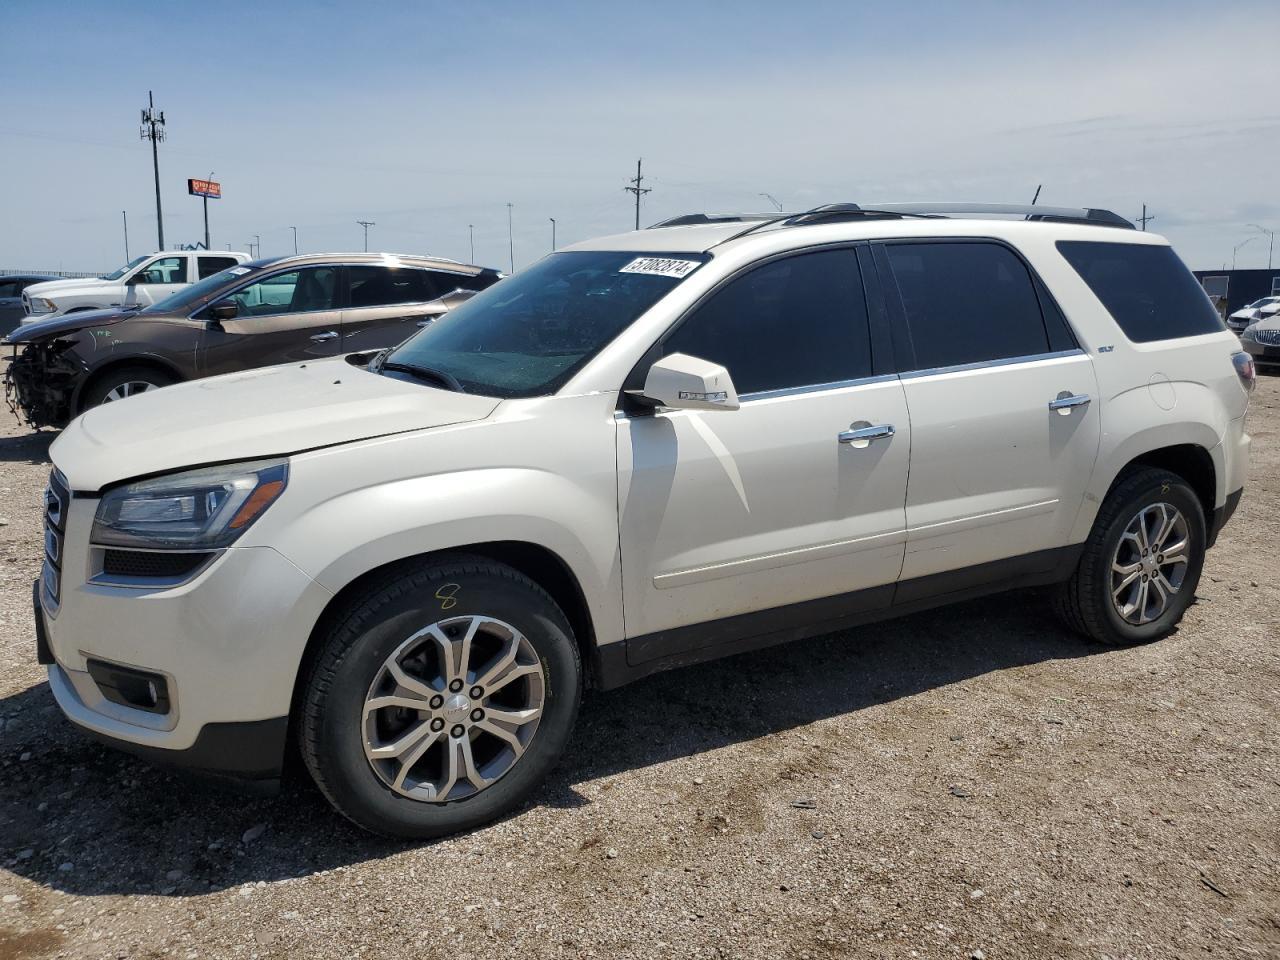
70 274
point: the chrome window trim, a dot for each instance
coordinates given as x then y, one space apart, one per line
297 268
814 388
984 364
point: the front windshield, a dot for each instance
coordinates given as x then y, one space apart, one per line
527 335
190 299
117 274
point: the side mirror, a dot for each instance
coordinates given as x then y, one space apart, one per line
224 310
137 278
682 382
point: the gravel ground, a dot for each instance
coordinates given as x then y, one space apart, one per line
972 782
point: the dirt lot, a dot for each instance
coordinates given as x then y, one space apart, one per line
973 782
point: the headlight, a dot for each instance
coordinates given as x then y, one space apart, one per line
1247 332
42 305
200 509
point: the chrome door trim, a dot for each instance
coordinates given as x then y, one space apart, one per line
984 364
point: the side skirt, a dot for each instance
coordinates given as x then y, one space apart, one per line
637 657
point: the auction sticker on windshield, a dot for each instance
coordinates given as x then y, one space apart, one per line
661 267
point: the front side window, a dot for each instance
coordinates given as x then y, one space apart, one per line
376 286
795 322
1147 290
297 291
526 336
164 270
966 303
9 288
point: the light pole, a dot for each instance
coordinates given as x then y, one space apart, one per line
471 229
366 224
553 233
257 245
511 243
125 217
295 240
1237 247
772 199
1272 235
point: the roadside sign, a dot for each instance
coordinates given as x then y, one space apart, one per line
210 189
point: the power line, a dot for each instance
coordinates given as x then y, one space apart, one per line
366 224
153 129
637 189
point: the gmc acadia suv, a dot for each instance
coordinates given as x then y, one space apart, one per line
641 452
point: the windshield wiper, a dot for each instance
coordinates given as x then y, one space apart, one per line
422 373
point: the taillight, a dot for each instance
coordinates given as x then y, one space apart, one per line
1246 370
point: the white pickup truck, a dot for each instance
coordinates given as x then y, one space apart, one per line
139 283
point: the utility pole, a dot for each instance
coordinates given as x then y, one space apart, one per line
1039 187
153 130
511 243
257 246
638 190
125 217
366 224
553 233
772 199
1144 219
295 239
471 230
1270 233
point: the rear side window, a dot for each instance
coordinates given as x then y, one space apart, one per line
376 286
796 322
969 303
1147 290
211 265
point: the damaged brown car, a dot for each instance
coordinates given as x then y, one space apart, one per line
270 311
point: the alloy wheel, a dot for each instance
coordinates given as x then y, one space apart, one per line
453 708
128 389
1150 563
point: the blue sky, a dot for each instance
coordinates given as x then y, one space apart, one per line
428 117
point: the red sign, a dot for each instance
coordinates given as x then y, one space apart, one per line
204 188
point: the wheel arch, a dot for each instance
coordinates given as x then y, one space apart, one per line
539 563
97 373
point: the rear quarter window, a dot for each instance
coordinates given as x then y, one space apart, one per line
1147 290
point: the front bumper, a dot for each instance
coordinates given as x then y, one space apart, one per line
227 644
1261 352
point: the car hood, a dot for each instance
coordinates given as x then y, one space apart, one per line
50 288
268 412
67 323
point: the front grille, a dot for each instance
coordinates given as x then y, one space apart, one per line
1269 337
57 501
163 565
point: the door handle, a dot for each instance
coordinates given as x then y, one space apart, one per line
861 436
327 335
1066 402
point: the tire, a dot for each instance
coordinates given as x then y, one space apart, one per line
338 735
1085 601
120 379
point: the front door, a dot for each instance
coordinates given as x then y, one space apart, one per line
287 317
157 280
730 513
387 305
1004 412
11 311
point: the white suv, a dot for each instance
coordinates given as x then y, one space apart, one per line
139 283
641 452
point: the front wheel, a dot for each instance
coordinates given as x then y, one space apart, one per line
1141 564
440 698
123 383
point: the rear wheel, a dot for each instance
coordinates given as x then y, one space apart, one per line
1141 563
440 698
124 382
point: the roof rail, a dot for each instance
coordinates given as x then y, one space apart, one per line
690 219
1091 215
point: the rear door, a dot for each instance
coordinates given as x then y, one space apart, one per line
286 317
1003 403
207 264
386 305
